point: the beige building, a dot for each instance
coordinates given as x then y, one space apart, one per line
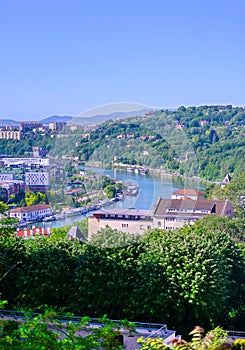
125 220
168 214
10 135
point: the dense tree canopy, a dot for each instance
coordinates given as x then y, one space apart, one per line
178 278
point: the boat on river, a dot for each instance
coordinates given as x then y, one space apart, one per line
49 218
131 190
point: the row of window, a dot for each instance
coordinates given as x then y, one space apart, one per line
189 210
142 227
120 216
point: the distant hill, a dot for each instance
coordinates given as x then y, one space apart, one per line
7 122
83 120
56 118
100 118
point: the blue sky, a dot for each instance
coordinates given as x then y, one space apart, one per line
64 57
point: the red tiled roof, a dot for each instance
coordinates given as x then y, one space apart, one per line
75 190
32 232
186 191
30 208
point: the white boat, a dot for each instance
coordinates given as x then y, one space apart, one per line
49 218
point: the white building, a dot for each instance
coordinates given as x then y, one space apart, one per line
26 161
37 180
10 135
6 177
31 213
186 193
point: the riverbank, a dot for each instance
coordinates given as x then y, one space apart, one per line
147 171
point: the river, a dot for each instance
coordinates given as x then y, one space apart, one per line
150 188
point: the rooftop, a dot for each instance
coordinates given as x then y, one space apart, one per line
186 191
163 206
117 211
30 208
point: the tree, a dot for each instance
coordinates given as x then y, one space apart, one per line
47 331
3 207
110 191
187 275
235 192
112 238
32 198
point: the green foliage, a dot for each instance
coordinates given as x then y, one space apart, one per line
32 198
234 191
61 232
47 331
112 238
234 227
8 226
198 141
239 344
194 275
215 339
3 207
110 191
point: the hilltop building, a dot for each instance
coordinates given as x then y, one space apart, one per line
10 135
55 126
30 125
226 180
39 152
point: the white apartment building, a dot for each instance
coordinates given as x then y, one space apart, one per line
10 135
31 213
25 160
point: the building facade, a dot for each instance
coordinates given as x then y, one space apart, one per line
31 213
37 181
125 220
10 135
168 214
8 161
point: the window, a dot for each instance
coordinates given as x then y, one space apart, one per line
141 227
159 224
148 227
124 225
